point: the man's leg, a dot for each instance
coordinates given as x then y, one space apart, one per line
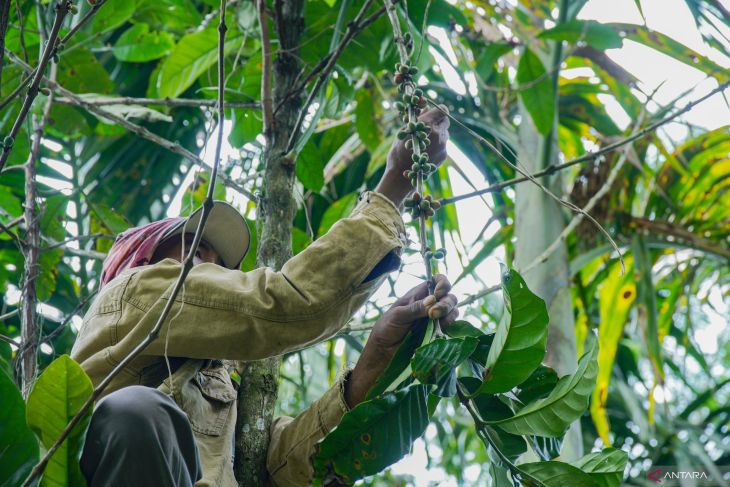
139 437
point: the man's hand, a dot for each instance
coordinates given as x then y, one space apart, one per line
393 184
407 312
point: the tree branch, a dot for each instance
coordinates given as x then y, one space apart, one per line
137 129
187 264
577 219
167 102
29 332
666 228
588 157
353 28
62 8
320 66
267 100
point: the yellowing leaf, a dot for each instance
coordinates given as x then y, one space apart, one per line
616 295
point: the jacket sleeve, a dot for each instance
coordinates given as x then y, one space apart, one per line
234 315
293 440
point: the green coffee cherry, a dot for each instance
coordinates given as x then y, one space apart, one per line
8 142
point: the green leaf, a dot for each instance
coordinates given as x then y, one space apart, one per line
9 203
538 385
489 56
519 343
605 467
48 273
552 415
18 444
557 474
247 124
463 328
310 167
138 44
434 361
336 211
79 71
536 91
190 58
113 14
373 435
366 124
110 219
57 396
52 219
600 36
646 303
672 48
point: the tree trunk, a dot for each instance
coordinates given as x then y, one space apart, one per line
538 222
276 210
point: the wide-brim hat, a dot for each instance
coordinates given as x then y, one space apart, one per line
225 230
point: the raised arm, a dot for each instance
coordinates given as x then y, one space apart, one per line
293 439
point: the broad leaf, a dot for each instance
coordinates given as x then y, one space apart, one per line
190 58
617 294
374 435
463 328
366 124
538 385
310 167
519 343
138 44
605 467
18 444
56 397
556 474
247 124
553 415
436 361
597 35
113 14
536 91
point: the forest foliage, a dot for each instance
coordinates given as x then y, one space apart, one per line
644 390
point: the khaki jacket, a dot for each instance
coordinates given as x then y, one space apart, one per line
232 315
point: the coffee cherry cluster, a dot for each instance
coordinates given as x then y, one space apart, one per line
418 204
438 254
420 165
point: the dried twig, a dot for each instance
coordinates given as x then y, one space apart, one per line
62 8
187 264
353 28
166 102
77 238
267 100
319 68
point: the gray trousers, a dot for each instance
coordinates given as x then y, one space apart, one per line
139 437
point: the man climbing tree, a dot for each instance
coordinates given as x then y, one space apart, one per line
141 436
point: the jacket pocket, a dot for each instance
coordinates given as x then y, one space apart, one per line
208 399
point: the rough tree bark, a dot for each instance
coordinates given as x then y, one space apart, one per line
538 222
276 210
